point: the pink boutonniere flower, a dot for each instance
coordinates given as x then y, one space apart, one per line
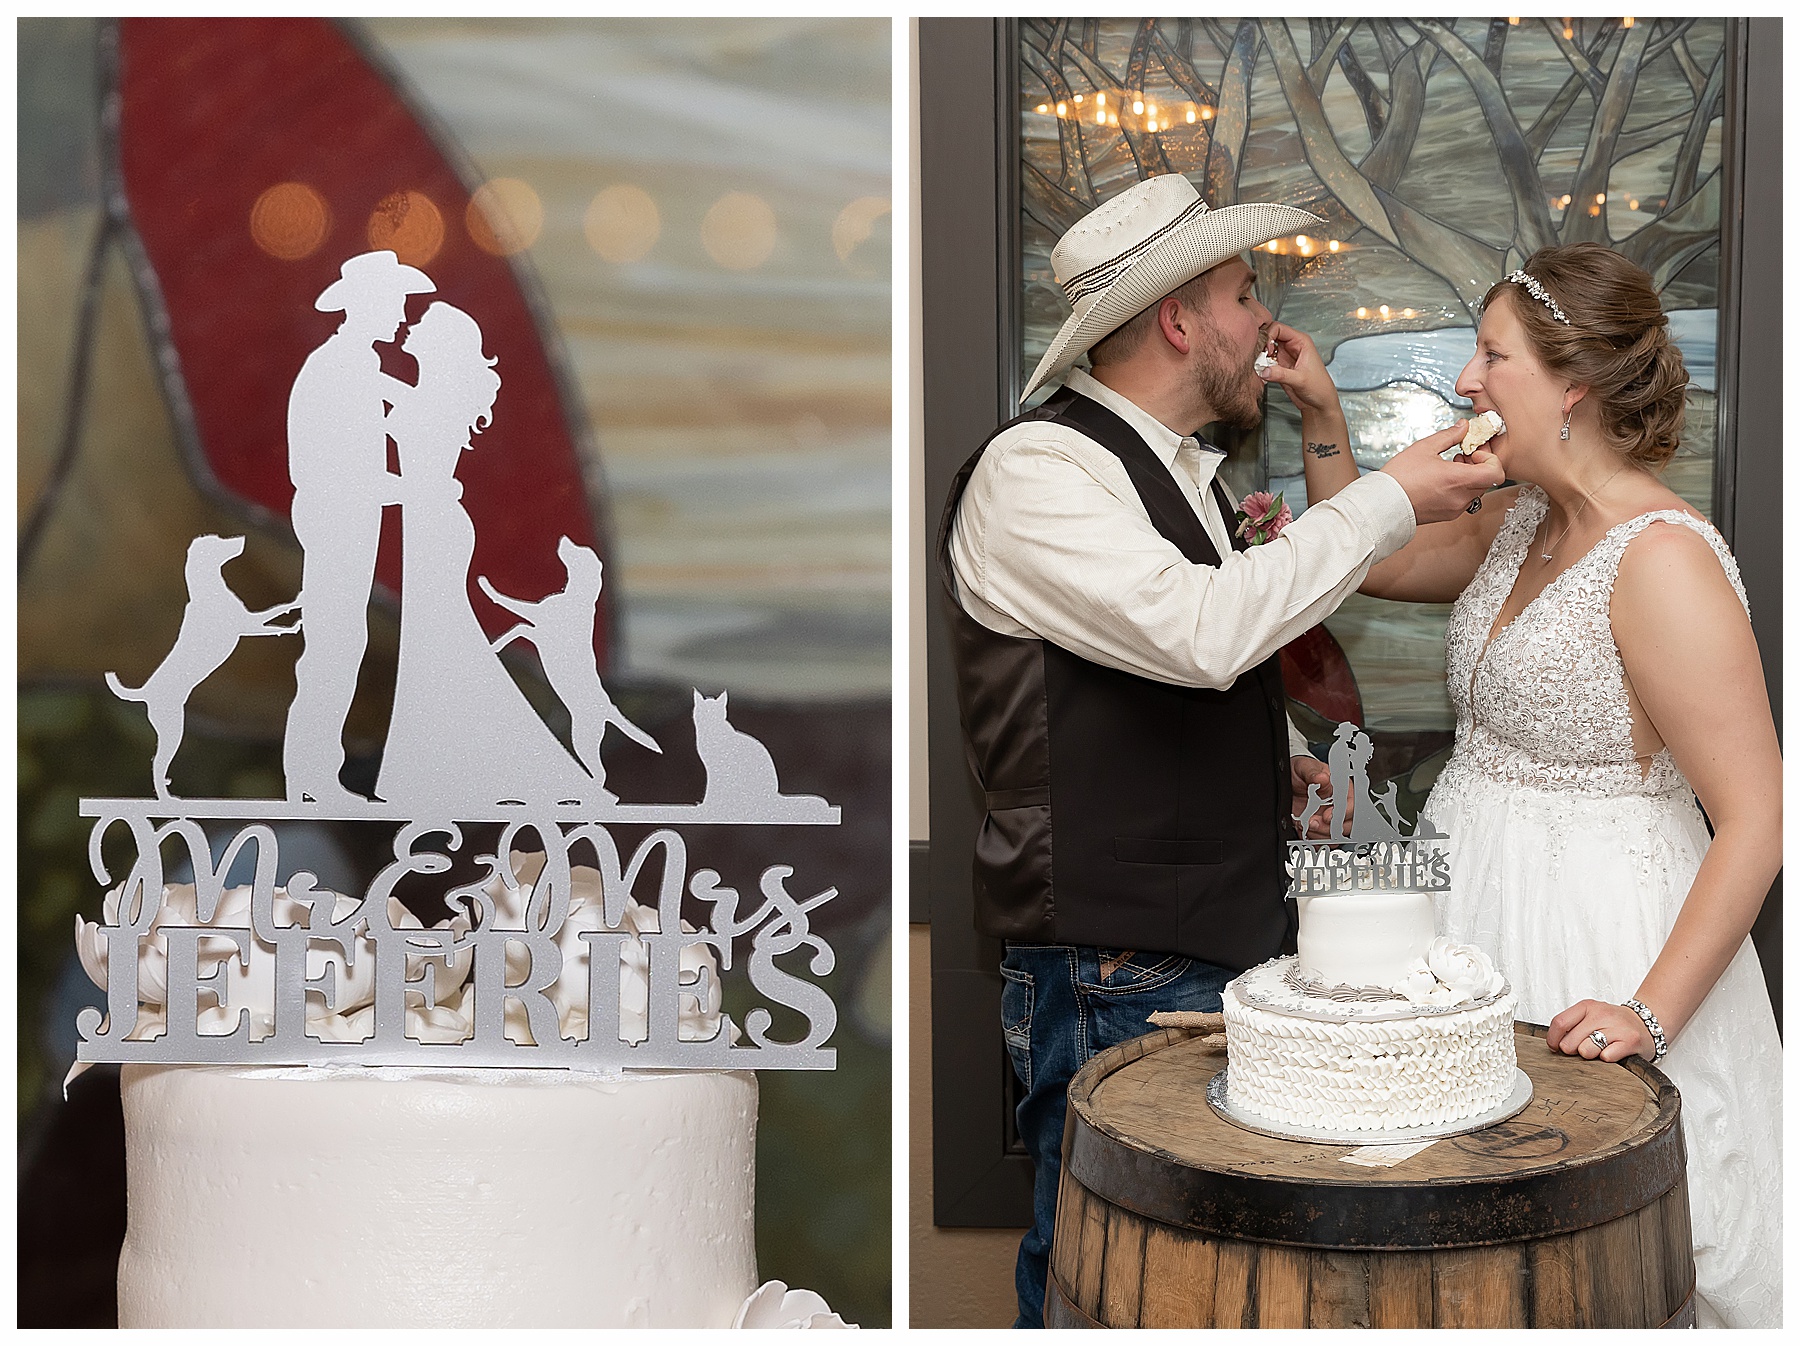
1262 516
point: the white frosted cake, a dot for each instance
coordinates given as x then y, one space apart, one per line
328 1196
392 1197
1376 1026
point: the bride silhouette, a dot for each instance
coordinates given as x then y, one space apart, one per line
462 734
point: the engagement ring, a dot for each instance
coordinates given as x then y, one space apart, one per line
1599 1039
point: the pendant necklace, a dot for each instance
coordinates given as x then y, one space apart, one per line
1579 511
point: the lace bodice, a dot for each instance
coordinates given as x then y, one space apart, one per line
1543 703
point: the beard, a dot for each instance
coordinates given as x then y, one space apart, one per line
1227 380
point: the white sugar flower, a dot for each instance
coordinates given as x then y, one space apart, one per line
774 1305
1421 986
1465 969
1449 974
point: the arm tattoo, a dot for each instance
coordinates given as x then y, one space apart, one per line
1322 450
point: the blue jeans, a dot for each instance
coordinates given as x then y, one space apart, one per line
1061 1005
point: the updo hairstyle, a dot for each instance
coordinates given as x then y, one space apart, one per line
1616 341
447 345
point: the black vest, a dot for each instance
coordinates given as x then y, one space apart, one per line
1122 811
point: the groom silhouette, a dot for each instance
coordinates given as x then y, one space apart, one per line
337 461
1349 780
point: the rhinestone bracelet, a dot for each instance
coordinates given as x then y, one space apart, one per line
1642 1011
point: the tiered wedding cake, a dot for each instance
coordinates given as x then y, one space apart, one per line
1378 1025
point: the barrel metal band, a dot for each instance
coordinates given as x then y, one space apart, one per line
1684 1316
1062 1311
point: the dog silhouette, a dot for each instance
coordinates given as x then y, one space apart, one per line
211 626
561 626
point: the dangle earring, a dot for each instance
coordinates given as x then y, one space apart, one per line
1565 430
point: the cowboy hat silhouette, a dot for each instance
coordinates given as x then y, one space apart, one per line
369 274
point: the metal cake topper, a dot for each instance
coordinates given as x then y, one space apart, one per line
1378 854
550 960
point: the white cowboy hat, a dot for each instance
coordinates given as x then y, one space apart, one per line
1153 237
372 273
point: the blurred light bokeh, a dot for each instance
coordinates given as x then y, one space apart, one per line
707 205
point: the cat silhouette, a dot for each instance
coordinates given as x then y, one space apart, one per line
213 622
739 771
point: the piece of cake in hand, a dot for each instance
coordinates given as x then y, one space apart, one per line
1481 429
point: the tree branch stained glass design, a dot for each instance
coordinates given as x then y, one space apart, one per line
1441 153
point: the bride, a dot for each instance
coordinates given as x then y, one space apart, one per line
462 734
1603 670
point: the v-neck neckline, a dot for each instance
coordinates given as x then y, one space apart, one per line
1495 628
1495 631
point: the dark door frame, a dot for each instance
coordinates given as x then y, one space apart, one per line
968 250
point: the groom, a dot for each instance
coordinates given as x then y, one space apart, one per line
1116 645
337 460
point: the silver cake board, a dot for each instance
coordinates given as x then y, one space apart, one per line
1218 1098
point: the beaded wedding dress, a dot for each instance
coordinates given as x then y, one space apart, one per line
1571 862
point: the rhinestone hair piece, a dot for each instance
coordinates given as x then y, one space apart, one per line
1537 291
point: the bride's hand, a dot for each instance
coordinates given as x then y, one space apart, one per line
1571 1032
1300 372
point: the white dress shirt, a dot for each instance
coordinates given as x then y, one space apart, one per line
1052 542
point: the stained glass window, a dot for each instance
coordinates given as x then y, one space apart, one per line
1440 153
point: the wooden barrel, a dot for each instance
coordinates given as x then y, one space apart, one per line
1572 1214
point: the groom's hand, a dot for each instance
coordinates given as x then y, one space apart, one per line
1305 771
1441 490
